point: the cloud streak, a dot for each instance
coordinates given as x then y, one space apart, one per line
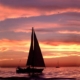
16 9
14 45
23 46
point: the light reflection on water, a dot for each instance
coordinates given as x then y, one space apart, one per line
65 72
49 72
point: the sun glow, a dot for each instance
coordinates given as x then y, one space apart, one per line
24 46
48 50
70 47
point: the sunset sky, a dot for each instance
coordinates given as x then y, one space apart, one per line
56 24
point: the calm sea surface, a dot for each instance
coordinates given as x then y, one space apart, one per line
49 72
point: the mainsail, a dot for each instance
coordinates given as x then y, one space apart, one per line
35 58
38 60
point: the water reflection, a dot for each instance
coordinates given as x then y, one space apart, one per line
64 72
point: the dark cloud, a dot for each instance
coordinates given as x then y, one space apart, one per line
8 27
14 36
41 4
66 21
55 30
56 39
25 8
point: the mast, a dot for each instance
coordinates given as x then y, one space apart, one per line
29 61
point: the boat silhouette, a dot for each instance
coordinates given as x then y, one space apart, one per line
35 62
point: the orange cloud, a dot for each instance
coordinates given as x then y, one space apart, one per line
61 47
9 12
14 45
3 49
24 44
48 50
6 59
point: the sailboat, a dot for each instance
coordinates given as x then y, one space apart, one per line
35 62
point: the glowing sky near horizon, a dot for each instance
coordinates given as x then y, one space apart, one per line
56 23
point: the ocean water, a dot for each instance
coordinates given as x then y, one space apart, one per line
49 72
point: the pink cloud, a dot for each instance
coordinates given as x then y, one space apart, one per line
69 32
10 12
37 25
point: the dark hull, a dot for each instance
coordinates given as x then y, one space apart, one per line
29 70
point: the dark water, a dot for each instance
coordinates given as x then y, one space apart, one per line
49 72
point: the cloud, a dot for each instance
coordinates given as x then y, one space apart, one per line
63 39
69 32
23 46
14 45
42 24
18 8
18 49
3 49
6 59
47 33
56 31
26 3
